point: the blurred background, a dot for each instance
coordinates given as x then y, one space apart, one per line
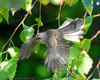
34 66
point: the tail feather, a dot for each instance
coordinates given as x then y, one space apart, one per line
72 31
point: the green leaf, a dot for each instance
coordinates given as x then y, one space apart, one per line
88 4
27 4
39 22
86 43
37 47
88 23
84 63
15 4
0 57
5 13
4 9
8 69
71 2
74 53
80 77
13 51
1 19
59 74
27 33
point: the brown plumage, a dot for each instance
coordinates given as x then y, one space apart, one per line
57 46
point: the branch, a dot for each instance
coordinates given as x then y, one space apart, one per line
98 32
98 68
39 17
59 13
18 26
84 19
97 15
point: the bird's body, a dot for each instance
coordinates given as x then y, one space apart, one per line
57 46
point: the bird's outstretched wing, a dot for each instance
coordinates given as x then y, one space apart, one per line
57 53
27 48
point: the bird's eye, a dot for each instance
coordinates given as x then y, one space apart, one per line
39 36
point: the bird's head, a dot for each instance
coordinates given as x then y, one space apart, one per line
42 37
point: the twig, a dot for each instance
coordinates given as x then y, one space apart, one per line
4 52
6 57
18 26
98 32
59 13
94 71
39 17
84 19
97 15
98 68
71 73
40 11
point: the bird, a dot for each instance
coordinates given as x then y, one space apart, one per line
57 41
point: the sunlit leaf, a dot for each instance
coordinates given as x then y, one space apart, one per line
0 57
8 69
88 23
39 21
27 4
86 44
84 63
37 47
71 2
27 33
74 53
13 51
88 4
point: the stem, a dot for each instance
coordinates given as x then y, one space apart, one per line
71 73
39 17
97 15
40 11
18 26
98 32
84 19
59 14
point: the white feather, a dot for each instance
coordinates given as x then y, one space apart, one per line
65 23
74 36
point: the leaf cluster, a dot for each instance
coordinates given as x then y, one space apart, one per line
79 62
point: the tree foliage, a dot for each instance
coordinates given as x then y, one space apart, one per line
79 62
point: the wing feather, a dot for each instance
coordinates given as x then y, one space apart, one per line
27 49
57 54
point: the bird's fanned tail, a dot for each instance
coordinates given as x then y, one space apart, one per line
72 30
